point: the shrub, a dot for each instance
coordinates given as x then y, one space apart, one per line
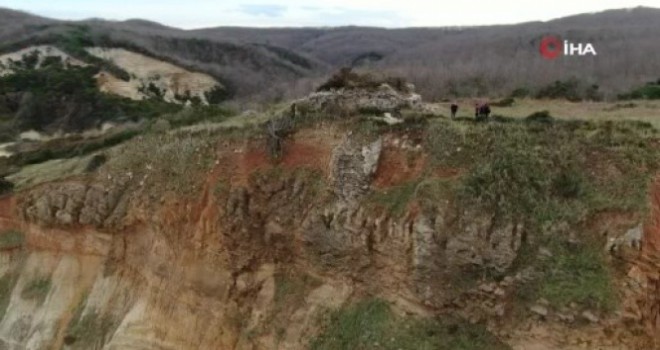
217 95
520 93
568 89
96 162
277 129
568 184
161 125
540 117
650 91
6 186
592 93
506 102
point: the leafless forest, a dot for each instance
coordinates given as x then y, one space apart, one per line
272 64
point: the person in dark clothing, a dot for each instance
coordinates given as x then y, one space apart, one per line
454 109
485 110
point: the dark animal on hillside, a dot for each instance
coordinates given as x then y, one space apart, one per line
454 109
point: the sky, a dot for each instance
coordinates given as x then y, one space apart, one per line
311 13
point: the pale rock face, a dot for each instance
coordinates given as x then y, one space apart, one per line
43 52
342 103
172 80
353 167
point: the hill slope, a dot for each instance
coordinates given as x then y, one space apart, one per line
244 68
483 60
441 61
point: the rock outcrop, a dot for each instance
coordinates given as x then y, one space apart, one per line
353 166
74 204
40 53
347 102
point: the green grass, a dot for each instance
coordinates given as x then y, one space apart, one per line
396 199
11 239
577 275
371 324
521 168
35 174
36 289
176 160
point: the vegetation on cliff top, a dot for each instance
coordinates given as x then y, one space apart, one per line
547 174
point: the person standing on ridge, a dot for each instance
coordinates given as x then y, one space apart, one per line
454 109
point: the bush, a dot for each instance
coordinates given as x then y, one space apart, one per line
161 125
217 95
592 93
650 91
540 117
569 184
506 102
277 129
520 93
5 186
96 162
568 89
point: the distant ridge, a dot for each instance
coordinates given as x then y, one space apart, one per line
274 63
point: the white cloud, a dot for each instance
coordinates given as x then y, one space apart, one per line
260 13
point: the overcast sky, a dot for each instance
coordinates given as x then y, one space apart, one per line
268 13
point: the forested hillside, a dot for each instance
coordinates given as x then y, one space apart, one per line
443 62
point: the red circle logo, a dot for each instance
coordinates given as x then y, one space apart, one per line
551 47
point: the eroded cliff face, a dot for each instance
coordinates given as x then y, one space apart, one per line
149 75
643 278
108 263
